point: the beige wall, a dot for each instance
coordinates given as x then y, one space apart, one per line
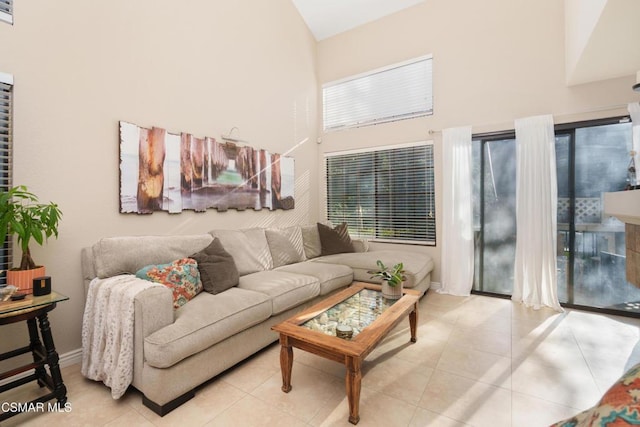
199 66
204 67
493 61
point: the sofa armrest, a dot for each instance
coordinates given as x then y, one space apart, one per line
88 269
153 310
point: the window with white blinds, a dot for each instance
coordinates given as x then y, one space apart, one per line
6 97
384 194
400 91
6 11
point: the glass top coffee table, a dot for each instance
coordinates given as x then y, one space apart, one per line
345 328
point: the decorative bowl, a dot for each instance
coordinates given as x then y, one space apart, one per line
6 292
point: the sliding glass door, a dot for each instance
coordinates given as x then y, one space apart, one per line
495 214
591 159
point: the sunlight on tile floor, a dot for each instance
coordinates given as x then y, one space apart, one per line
479 361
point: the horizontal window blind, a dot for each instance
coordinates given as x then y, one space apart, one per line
6 11
6 98
386 194
401 91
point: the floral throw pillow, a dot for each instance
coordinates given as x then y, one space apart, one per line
181 276
620 405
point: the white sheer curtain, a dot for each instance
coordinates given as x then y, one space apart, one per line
634 112
457 224
535 281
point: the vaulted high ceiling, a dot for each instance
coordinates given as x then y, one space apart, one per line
326 18
602 39
602 36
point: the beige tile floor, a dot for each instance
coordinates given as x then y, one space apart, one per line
478 361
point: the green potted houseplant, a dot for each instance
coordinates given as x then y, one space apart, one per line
392 279
22 215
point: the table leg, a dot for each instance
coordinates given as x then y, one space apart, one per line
286 363
37 351
59 389
353 382
413 323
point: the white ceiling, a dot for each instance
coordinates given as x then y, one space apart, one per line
326 18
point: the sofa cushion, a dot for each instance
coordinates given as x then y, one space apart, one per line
335 240
330 276
248 247
205 321
286 290
311 240
218 271
416 265
286 245
181 276
126 255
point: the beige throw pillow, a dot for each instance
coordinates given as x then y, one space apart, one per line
286 245
311 240
248 247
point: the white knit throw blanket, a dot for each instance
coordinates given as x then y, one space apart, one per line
107 331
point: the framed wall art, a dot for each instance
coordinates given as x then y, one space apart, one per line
161 171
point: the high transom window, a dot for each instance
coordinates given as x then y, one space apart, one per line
6 11
400 91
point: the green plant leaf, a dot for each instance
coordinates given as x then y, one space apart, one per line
21 215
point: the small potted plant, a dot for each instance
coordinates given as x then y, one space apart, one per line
392 279
22 215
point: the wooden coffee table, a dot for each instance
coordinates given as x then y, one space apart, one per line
360 307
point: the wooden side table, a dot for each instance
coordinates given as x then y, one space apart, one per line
34 311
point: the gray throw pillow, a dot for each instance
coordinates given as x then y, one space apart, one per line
335 240
218 271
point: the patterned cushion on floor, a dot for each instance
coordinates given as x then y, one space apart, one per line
620 405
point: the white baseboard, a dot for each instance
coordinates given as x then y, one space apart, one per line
66 359
435 286
71 358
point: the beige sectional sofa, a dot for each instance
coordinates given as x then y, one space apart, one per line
281 271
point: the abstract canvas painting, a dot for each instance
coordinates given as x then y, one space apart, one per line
160 171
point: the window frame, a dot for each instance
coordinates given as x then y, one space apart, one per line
428 221
373 97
